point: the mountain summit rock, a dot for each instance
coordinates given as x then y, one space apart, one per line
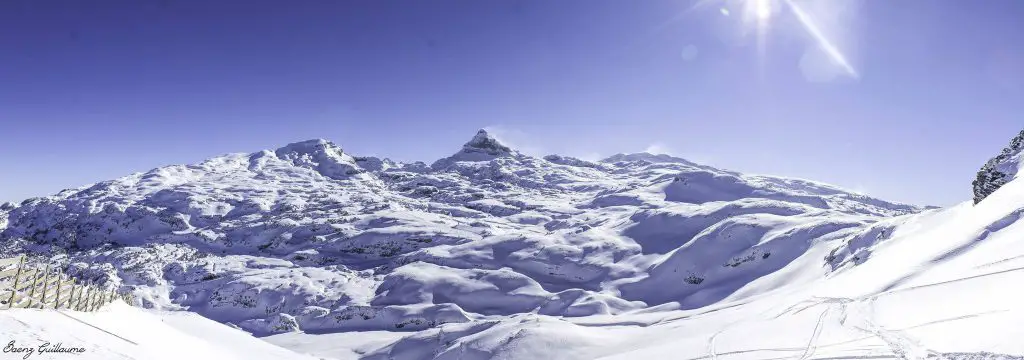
484 142
482 147
999 170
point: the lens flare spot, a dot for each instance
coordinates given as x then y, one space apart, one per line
762 9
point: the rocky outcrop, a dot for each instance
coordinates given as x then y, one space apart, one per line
999 170
482 147
484 142
4 209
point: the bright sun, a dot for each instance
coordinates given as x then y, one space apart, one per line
758 15
761 8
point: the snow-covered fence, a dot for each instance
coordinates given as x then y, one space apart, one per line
26 286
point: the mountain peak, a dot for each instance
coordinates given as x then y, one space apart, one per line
485 143
482 147
313 146
321 155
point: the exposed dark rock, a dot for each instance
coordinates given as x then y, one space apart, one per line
999 170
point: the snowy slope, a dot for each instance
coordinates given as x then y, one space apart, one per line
488 253
941 284
118 331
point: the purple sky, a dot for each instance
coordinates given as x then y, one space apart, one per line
93 90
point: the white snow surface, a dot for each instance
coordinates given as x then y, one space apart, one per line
492 254
118 331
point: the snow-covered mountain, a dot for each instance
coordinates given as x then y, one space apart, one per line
490 253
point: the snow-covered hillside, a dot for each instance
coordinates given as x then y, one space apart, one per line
490 253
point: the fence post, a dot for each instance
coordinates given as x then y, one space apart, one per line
71 298
92 302
78 299
88 301
78 305
17 276
56 299
46 279
32 292
75 296
88 295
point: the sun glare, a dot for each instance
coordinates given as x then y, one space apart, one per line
827 45
762 9
757 15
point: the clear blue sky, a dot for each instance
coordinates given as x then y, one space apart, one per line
93 90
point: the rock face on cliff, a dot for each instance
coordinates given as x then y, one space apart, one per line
999 170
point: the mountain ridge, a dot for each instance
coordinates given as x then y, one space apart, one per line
372 244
